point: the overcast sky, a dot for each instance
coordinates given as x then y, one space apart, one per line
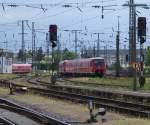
80 16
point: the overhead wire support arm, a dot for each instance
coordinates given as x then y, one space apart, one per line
135 5
39 6
103 8
68 6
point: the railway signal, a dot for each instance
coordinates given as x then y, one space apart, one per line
53 35
142 39
141 26
142 29
53 40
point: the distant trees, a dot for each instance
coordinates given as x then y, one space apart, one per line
43 62
62 55
20 54
68 55
40 54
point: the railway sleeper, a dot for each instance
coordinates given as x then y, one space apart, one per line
111 107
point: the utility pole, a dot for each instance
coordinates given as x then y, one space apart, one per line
58 50
47 44
33 45
132 38
94 53
117 50
105 53
23 58
23 44
58 42
98 44
47 50
76 39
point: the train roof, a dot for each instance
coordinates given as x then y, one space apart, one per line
21 64
82 59
97 58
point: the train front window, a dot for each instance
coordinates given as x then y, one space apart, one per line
99 62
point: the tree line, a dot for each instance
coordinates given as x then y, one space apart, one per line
42 61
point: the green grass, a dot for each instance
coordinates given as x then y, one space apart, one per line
147 85
121 82
129 121
4 76
39 72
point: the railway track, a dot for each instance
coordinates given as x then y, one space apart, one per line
129 108
93 84
72 82
78 83
5 121
39 117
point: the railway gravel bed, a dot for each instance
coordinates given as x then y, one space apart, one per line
116 105
41 118
68 111
142 97
68 93
64 111
15 118
122 95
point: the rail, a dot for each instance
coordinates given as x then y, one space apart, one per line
116 105
42 118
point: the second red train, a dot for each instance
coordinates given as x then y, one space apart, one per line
82 67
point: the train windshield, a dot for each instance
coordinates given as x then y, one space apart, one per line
99 62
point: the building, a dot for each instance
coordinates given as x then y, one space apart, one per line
5 65
6 61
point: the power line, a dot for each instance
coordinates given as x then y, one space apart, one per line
14 4
86 20
45 17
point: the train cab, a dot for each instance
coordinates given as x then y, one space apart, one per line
99 66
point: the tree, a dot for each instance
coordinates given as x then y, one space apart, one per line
68 55
40 55
61 55
29 54
20 55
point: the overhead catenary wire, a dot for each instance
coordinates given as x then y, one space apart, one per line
14 4
86 20
53 15
43 6
76 23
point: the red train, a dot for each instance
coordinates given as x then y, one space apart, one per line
89 66
21 68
